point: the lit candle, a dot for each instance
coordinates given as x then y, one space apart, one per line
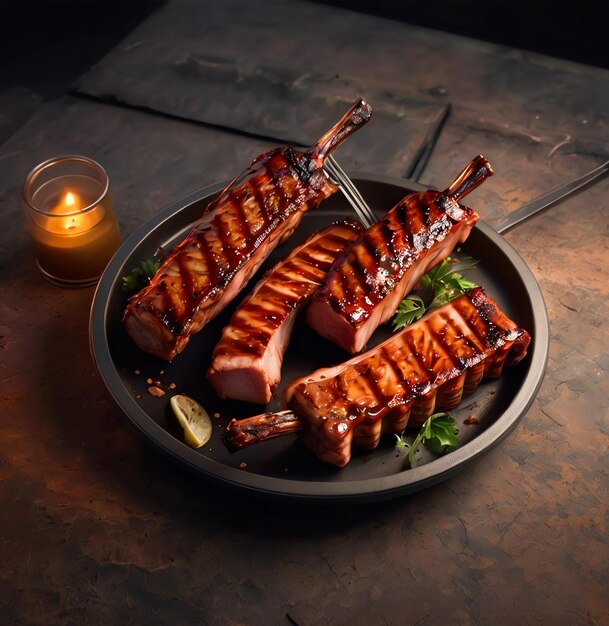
71 220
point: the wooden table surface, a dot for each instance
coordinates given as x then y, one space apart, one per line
97 527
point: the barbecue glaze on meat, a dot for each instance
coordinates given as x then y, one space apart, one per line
246 363
428 366
239 229
369 280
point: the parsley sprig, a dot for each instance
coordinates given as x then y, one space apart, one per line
438 434
140 275
440 285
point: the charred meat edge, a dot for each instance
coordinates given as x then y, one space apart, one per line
239 229
495 341
369 280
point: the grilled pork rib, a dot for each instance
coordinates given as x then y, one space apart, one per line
238 230
428 366
246 363
369 280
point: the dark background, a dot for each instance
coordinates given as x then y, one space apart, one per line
574 30
45 46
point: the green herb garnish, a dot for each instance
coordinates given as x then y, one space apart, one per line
438 434
410 309
441 285
140 275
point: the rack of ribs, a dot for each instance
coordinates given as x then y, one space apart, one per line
369 280
428 366
256 212
246 363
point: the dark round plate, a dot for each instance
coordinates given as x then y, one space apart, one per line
284 467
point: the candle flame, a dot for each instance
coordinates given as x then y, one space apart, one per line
71 202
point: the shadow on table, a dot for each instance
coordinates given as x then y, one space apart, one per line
268 516
104 448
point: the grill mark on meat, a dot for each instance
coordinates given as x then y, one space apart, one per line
380 374
360 260
393 244
282 192
311 262
481 331
223 224
386 265
422 374
327 247
467 338
239 199
493 338
311 274
187 285
365 286
252 343
427 363
212 264
261 202
186 293
390 360
387 388
447 350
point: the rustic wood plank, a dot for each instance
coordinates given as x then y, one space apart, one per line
274 102
181 68
180 73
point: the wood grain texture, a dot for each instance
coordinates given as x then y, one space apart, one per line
185 55
97 527
202 71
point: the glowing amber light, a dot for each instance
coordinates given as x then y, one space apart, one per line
73 226
71 204
74 221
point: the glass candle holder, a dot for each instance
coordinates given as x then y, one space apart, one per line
70 217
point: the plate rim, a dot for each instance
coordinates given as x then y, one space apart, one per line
378 488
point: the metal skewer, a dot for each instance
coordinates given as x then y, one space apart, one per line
549 198
350 191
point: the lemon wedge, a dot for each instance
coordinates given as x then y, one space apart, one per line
193 419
